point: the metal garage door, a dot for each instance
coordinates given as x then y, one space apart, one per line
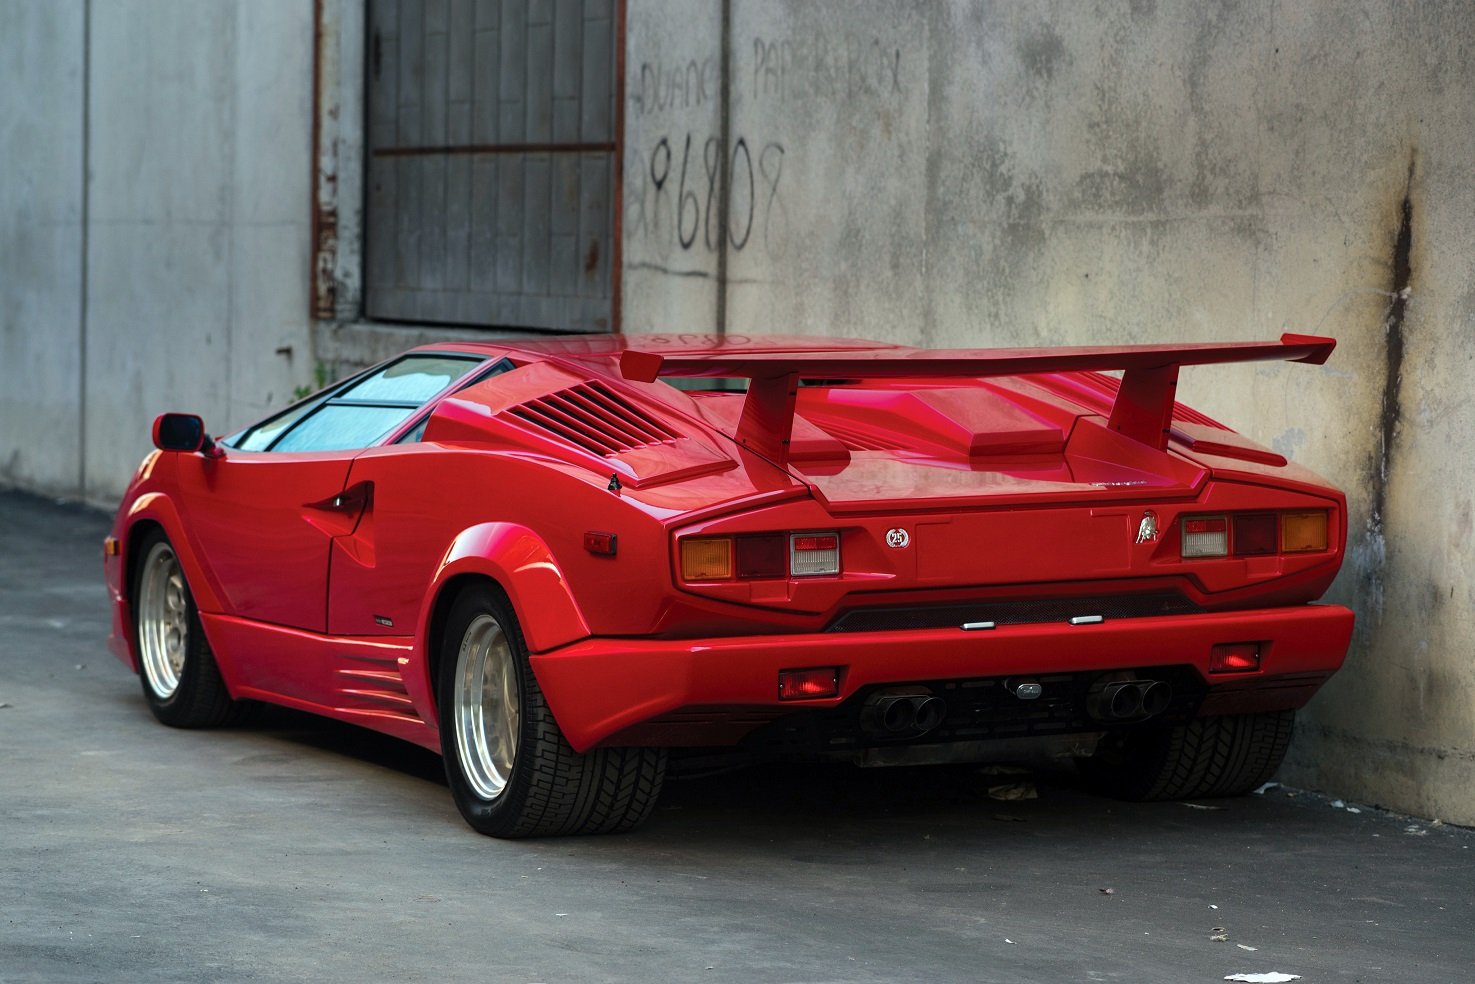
492 162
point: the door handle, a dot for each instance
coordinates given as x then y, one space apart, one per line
352 501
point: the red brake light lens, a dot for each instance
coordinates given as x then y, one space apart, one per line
761 556
1254 534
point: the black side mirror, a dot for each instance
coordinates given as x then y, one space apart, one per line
182 432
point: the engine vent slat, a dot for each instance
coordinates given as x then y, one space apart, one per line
858 439
595 418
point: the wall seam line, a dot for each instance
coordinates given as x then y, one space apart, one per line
82 263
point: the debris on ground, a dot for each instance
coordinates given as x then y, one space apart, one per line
1108 891
1014 791
1202 806
1252 949
1220 935
1008 818
1337 804
1274 977
1265 787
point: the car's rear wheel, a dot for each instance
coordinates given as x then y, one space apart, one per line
510 768
1226 755
181 681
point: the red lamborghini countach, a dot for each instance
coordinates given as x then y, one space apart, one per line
556 562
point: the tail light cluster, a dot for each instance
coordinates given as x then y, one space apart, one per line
754 556
1253 534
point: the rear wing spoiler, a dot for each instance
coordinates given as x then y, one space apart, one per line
1143 409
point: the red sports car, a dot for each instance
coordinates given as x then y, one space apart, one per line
552 565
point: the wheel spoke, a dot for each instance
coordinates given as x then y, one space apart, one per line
486 707
163 628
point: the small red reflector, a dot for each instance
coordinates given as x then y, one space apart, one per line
602 544
1235 657
816 542
808 684
1213 524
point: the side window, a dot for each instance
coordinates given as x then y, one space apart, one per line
364 411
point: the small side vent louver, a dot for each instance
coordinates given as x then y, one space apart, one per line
595 418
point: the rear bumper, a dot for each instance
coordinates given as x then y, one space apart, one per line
600 687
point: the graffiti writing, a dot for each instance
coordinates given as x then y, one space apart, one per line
820 67
675 86
672 196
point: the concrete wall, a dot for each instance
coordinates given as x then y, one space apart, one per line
198 237
994 174
186 285
41 87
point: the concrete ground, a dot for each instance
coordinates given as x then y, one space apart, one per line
295 849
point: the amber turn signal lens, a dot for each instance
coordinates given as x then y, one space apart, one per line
706 559
1303 532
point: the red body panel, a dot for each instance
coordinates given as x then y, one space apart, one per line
607 685
318 575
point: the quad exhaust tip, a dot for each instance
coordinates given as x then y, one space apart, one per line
1129 700
897 715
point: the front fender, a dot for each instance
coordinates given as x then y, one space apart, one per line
524 566
159 509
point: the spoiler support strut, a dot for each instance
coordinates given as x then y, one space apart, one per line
1142 411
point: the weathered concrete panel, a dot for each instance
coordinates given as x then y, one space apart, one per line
199 266
673 125
41 242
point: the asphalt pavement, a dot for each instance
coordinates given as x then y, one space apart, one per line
295 849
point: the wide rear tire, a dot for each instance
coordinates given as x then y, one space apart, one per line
1226 755
181 681
511 771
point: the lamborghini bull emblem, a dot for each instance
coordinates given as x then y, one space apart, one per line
1147 531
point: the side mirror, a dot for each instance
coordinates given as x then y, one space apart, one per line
183 432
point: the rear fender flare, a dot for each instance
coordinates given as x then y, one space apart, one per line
524 567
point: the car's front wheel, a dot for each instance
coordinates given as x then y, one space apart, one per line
511 770
1225 755
181 681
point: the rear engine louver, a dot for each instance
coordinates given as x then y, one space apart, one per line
859 439
593 417
1181 413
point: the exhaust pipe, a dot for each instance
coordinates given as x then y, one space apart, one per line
895 715
1155 698
929 713
1129 700
888 714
